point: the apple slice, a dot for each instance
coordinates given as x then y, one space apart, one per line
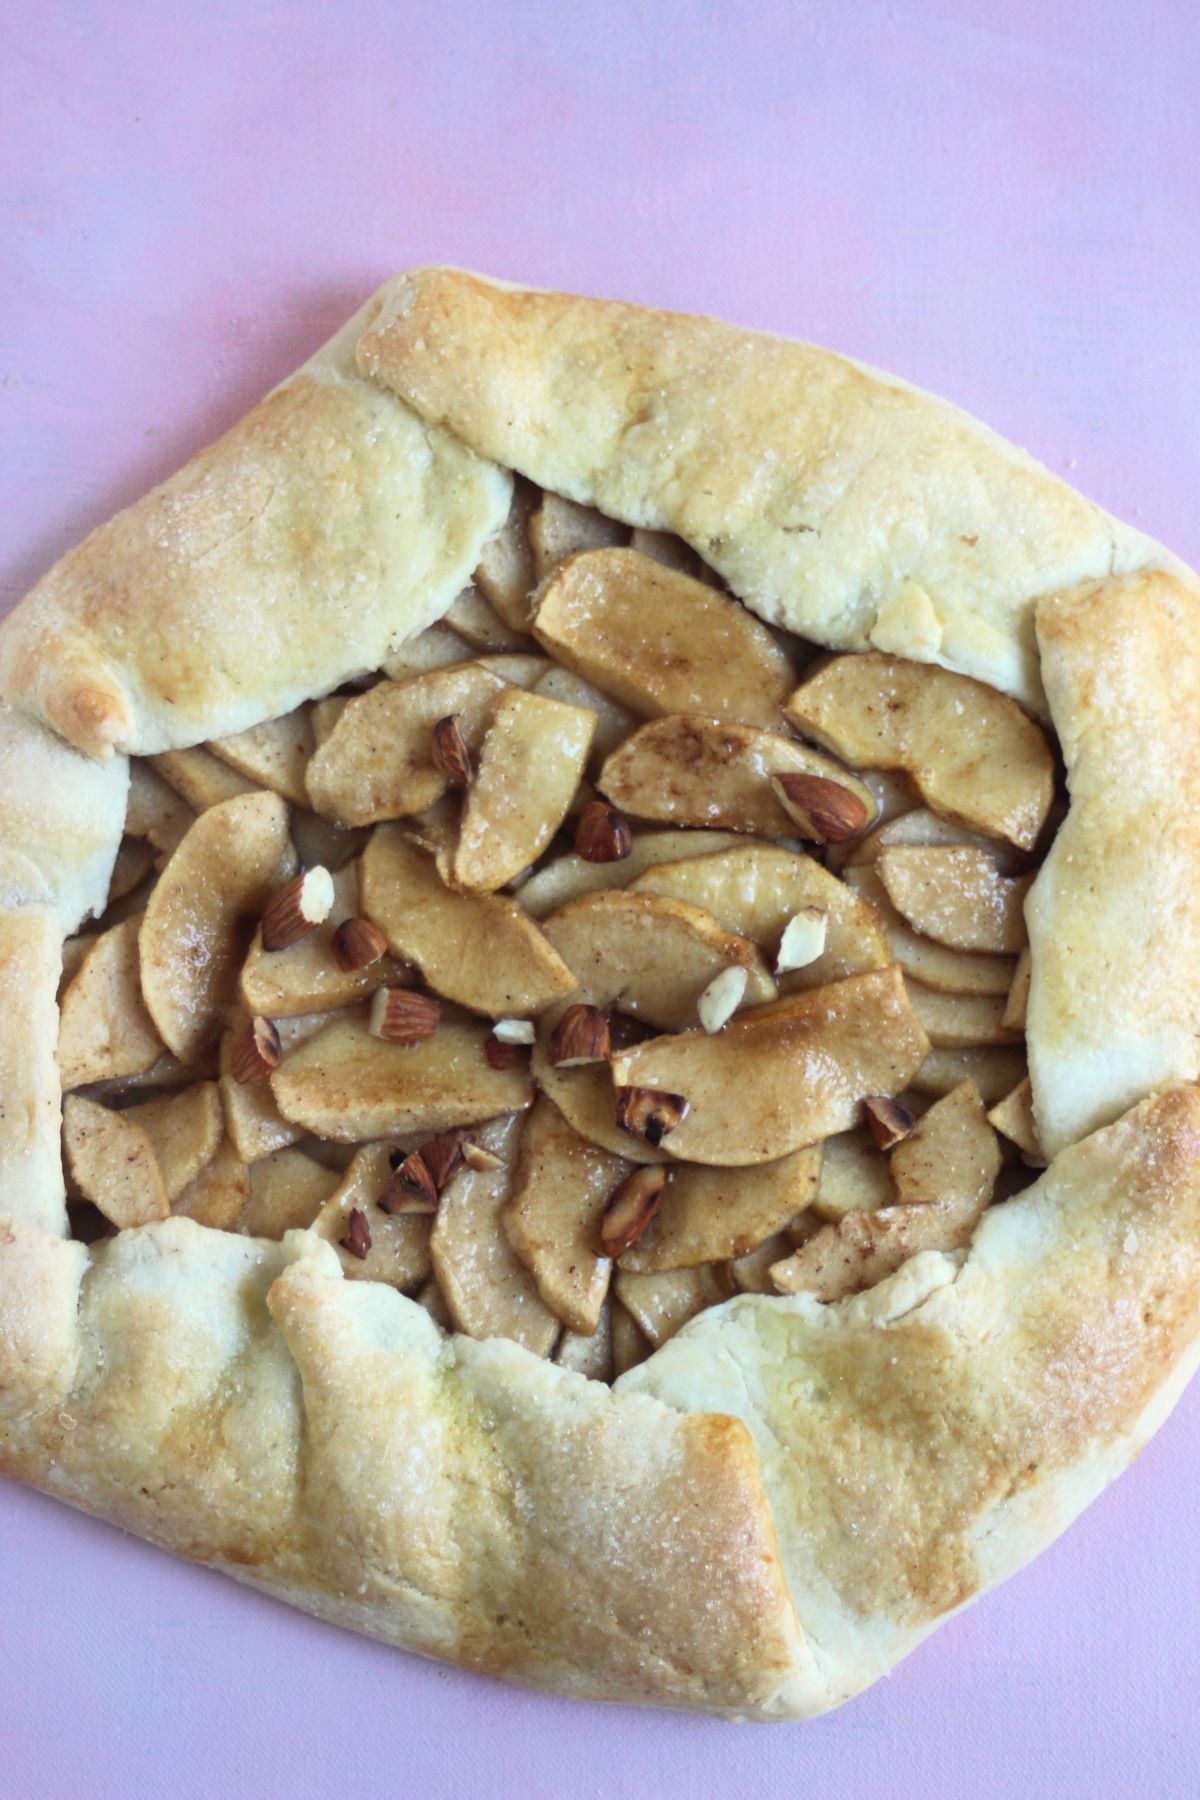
185 1130
894 796
751 1274
973 753
348 1085
104 1029
630 1344
519 668
691 770
560 528
917 826
661 1304
949 971
506 574
584 1094
305 978
437 647
671 551
560 1186
960 1021
957 896
287 1192
273 755
530 764
945 1173
399 1249
1013 1117
995 1072
254 1122
855 1176
154 810
191 940
489 1291
480 949
757 889
785 1075
476 621
717 1215
649 955
660 642
569 876
1016 1006
112 1162
589 1354
217 1195
378 761
200 778
613 722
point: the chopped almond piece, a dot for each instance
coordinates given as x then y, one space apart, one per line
530 765
957 896
357 1239
826 811
784 1075
308 977
191 940
399 1249
112 1162
185 1130
649 955
692 770
349 1085
489 1291
553 1216
479 949
254 1122
663 1304
403 1016
585 1095
721 998
649 1113
378 761
449 753
287 1191
357 944
273 755
1013 1116
500 1055
718 1215
887 1121
560 528
972 752
514 1031
632 1209
602 834
949 971
661 642
297 909
581 1036
104 1029
570 876
411 1189
257 1052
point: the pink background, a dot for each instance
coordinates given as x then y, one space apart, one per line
998 199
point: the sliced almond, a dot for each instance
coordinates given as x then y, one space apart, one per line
717 1215
945 1173
1016 1005
581 1036
309 977
855 1176
112 1162
994 1072
659 641
691 770
200 778
560 528
589 1353
888 1122
649 955
297 909
949 971
630 1344
960 1021
185 1130
613 722
663 1304
479 949
506 575
974 755
1013 1116
218 1193
569 876
553 1217
437 647
489 1290
349 1085
154 810
273 755
530 765
758 890
632 1209
721 998
782 1076
821 809
191 938
399 1248
378 761
287 1192
957 896
104 1029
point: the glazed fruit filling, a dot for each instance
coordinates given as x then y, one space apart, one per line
605 954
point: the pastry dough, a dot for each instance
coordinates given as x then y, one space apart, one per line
765 1515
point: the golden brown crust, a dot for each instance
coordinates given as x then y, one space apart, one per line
841 503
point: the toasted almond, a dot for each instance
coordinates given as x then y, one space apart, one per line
449 755
403 1016
721 998
887 1121
823 809
442 1155
411 1189
603 834
514 1031
803 939
477 1156
257 1052
296 911
649 1113
358 1235
631 1208
582 1036
357 944
500 1055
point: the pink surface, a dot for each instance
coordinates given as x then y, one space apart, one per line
996 199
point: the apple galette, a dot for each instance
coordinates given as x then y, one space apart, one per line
602 988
